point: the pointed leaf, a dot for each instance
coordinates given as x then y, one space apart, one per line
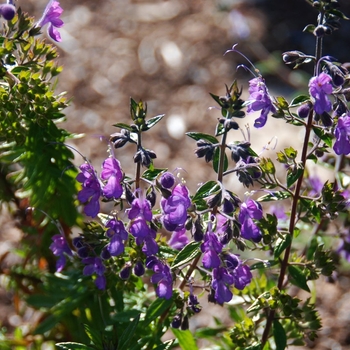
152 174
124 126
94 335
282 244
73 346
187 254
185 338
201 136
159 306
125 338
207 189
153 121
298 278
280 335
297 101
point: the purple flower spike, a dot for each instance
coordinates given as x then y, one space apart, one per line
60 248
91 190
259 100
211 248
162 277
319 87
95 266
220 283
112 172
51 16
342 132
178 239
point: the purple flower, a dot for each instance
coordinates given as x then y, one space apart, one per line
112 172
175 208
319 87
178 239
342 132
249 211
91 190
211 247
220 283
140 207
116 231
60 248
241 276
140 212
95 266
51 16
162 277
279 211
259 100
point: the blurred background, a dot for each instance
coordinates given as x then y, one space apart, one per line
171 55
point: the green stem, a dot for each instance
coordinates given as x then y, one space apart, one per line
138 164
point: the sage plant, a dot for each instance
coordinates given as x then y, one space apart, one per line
145 267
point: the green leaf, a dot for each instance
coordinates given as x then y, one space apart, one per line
309 28
159 306
201 136
338 14
280 335
282 244
294 176
152 174
216 159
298 278
187 254
73 346
207 189
153 121
282 103
326 138
125 316
124 126
297 101
274 196
125 338
185 338
264 264
94 335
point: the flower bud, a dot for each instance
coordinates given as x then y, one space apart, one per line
167 180
78 242
227 206
197 231
8 11
151 197
125 273
83 252
105 254
304 110
139 269
185 323
320 30
176 322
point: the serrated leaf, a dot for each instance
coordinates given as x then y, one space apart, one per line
298 278
125 338
150 123
297 101
216 159
274 196
73 346
151 174
282 244
93 335
185 338
201 136
187 254
280 335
